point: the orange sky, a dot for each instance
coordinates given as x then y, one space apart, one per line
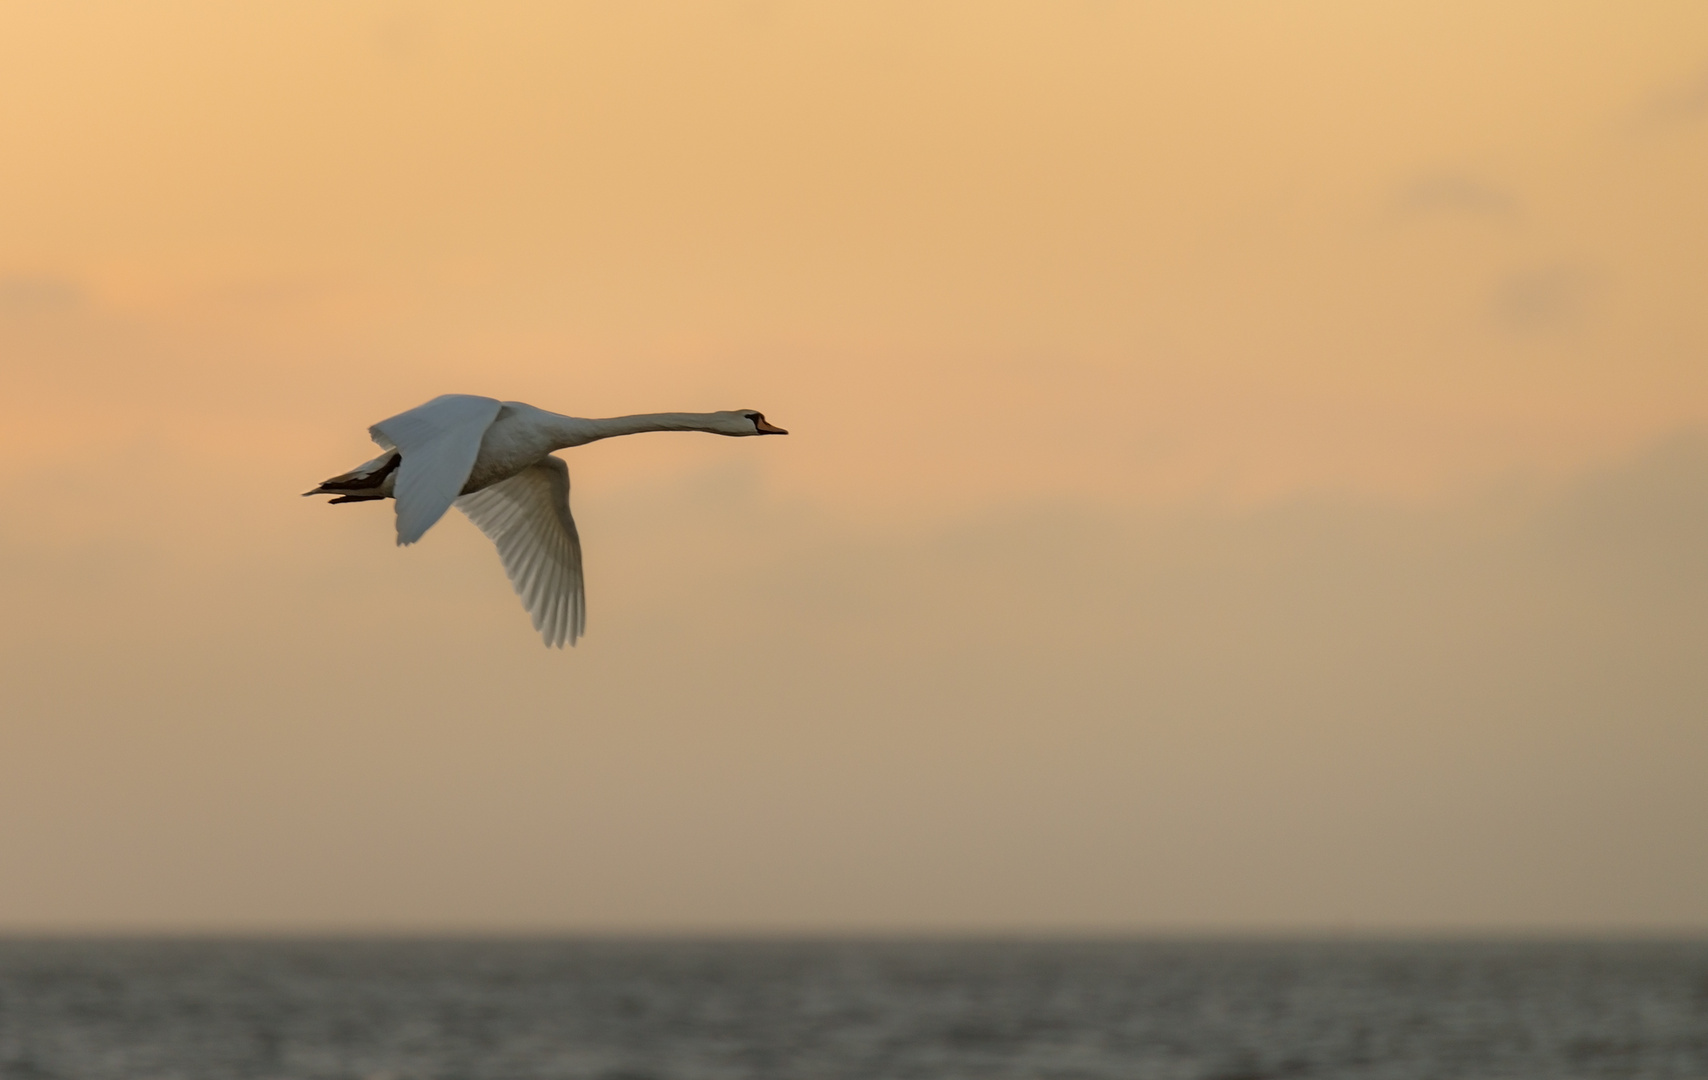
1241 454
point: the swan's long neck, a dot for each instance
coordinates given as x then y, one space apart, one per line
575 430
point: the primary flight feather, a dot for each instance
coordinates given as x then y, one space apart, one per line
493 461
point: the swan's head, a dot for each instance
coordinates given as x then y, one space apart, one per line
746 422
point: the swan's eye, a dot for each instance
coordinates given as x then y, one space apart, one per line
755 417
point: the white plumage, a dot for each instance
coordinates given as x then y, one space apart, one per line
493 461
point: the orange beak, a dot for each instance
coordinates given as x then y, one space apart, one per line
766 427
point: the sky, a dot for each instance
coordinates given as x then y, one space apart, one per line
1248 471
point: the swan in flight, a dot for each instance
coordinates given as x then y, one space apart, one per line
493 461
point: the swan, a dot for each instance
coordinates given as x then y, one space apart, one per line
493 461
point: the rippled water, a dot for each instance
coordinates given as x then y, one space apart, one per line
634 1010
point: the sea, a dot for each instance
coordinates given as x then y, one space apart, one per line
361 1009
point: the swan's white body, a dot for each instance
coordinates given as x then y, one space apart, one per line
493 461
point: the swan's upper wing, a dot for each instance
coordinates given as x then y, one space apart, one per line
439 442
527 516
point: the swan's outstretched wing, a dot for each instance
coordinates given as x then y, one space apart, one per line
439 442
527 516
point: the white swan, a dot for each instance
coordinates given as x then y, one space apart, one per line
493 461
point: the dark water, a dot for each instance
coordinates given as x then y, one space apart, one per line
638 1010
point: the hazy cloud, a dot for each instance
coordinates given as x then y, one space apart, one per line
1685 102
1547 298
24 295
1320 713
1451 193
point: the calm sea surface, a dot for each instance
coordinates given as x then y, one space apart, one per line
651 1010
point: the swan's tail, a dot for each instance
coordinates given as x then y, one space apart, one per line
366 482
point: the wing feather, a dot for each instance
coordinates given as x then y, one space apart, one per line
439 442
527 517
